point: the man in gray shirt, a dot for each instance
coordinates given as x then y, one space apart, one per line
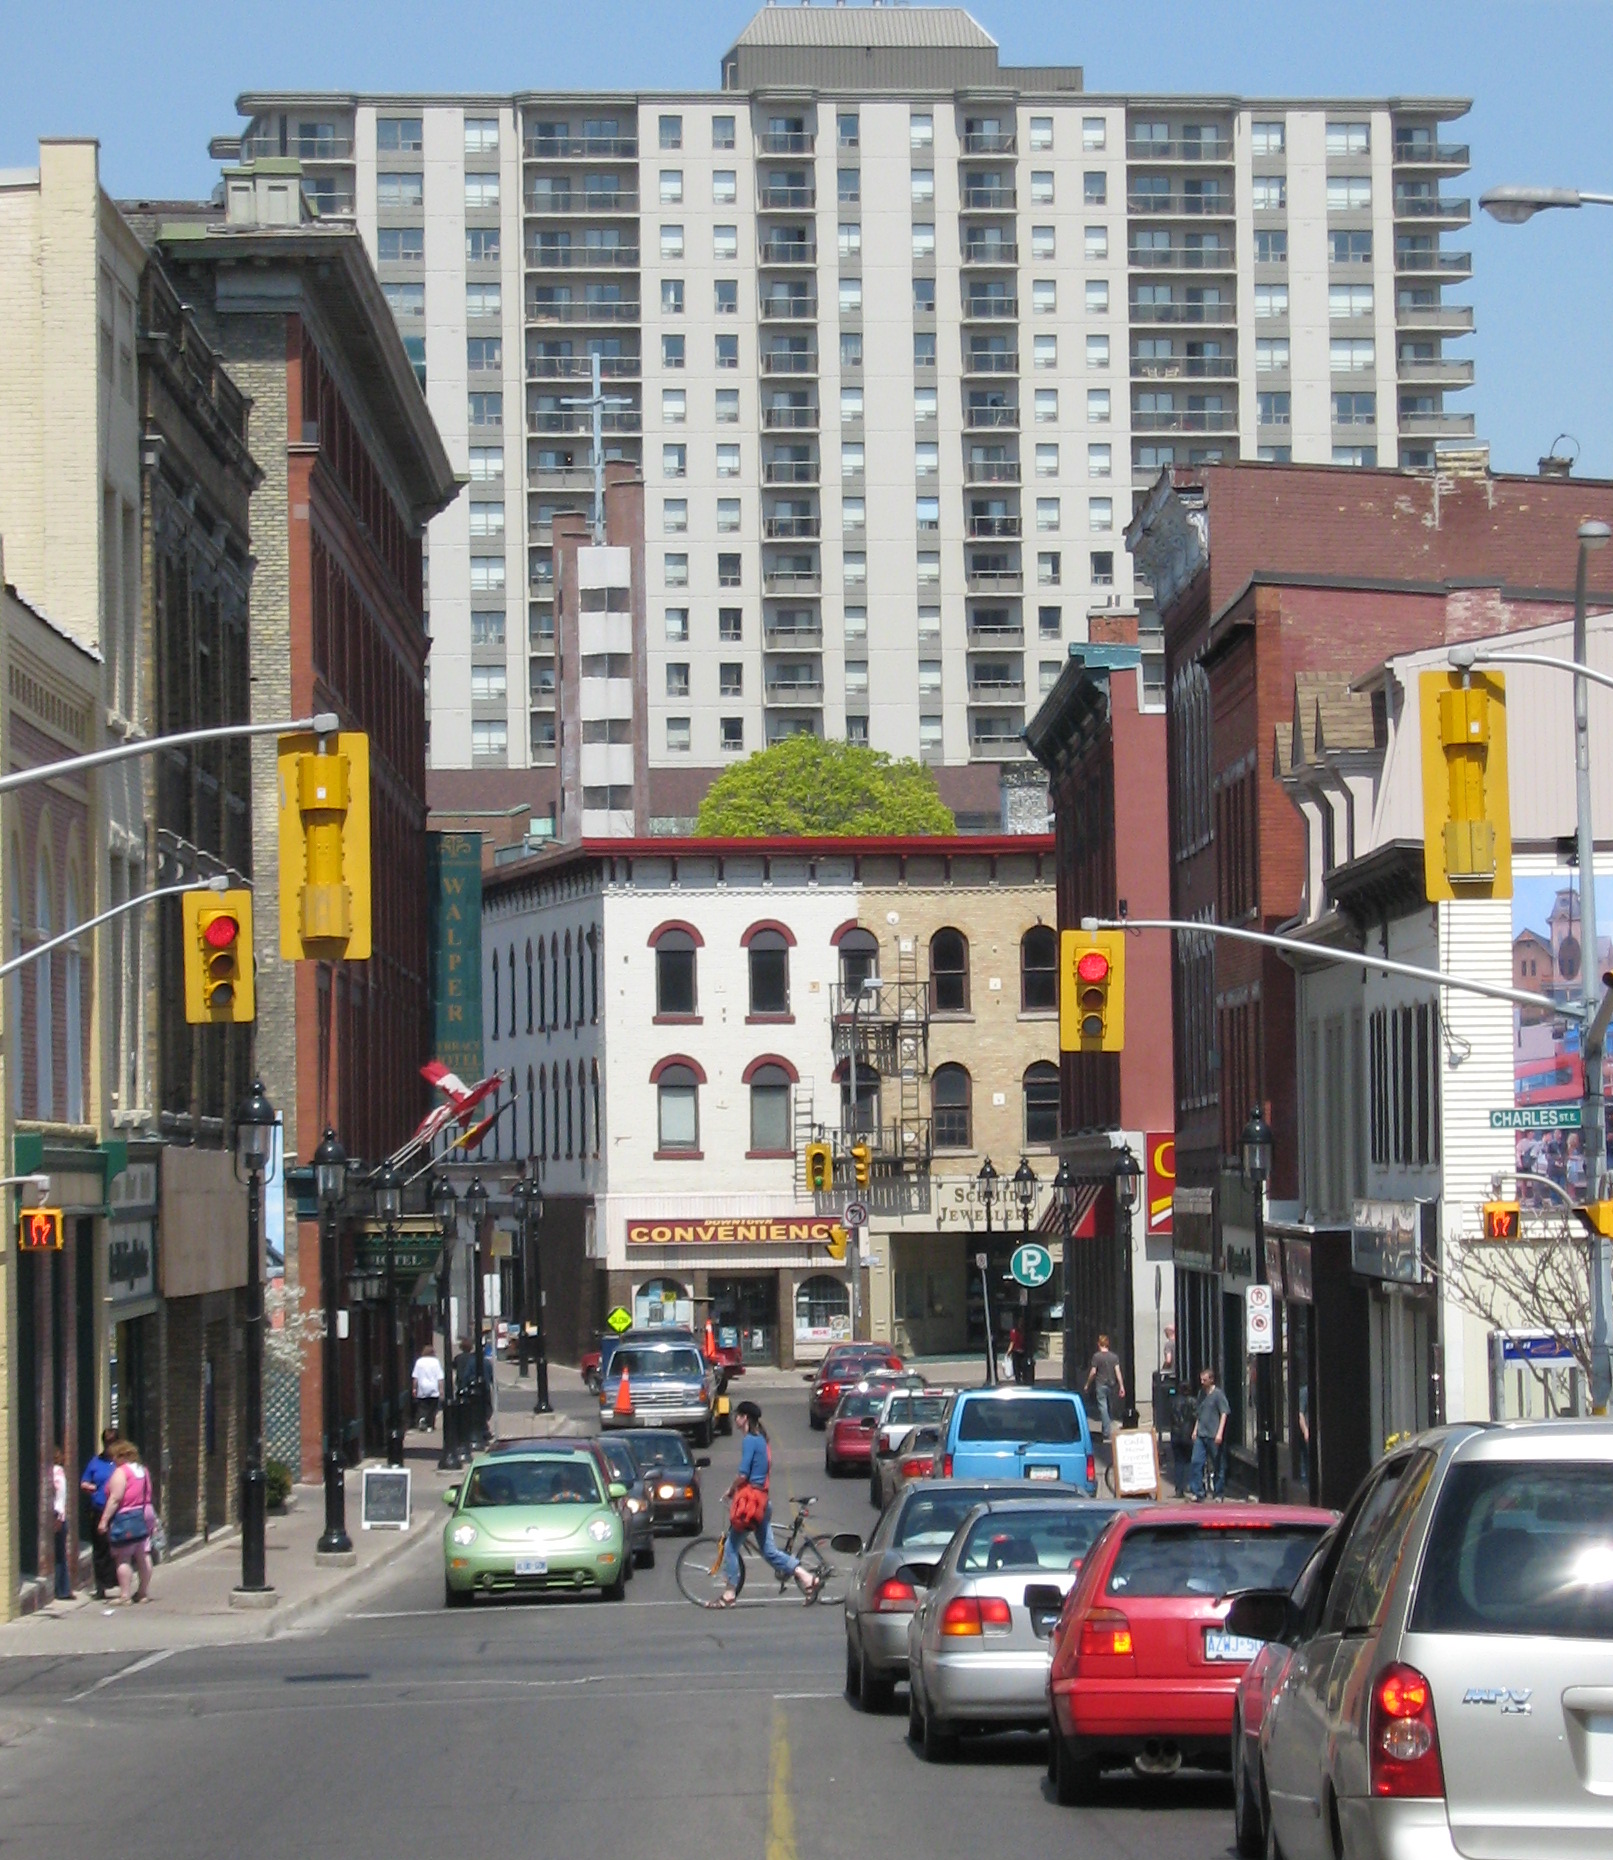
1207 1473
1105 1377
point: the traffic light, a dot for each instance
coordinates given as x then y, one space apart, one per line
820 1168
1092 991
1502 1220
1597 1218
39 1230
837 1241
862 1163
1467 821
219 987
325 847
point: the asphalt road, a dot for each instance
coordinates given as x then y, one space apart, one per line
391 1727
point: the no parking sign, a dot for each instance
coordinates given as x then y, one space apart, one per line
1259 1330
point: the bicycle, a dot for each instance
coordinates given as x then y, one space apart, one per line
704 1581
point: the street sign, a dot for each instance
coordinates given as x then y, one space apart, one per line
1537 1117
1031 1265
856 1214
1259 1337
620 1320
980 1262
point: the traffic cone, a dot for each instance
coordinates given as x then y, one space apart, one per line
624 1396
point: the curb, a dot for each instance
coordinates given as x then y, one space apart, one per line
282 1618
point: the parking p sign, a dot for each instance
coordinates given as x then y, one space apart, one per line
1259 1335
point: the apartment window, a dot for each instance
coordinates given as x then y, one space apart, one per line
728 461
730 680
1348 138
853 515
1271 248
481 245
1046 403
851 403
1274 409
725 295
851 238
671 132
671 186
929 678
857 623
399 135
405 300
672 297
725 242
674 406
677 735
489 738
1101 513
921 130
677 625
1099 461
1271 353
923 186
1098 406
929 736
485 409
1267 138
1097 296
727 515
929 623
949 972
1044 297
727 348
1048 675
1355 409
674 461
924 296
950 1108
851 296
728 571
728 406
486 463
1094 132
927 513
924 348
1042 242
722 132
677 680
672 242
924 405
487 629
854 568
923 239
1152 458
399 245
929 568
1047 461
487 519
1271 300
1268 193
678 1109
1041 1097
848 186
483 300
1351 354
1101 568
483 353
1350 248
1097 351
675 516
672 351
724 187
481 190
730 625
847 131
1047 513
1097 242
1094 189
1274 455
488 681
851 458
677 571
1349 193
398 192
1349 300
1355 455
1049 568
1049 622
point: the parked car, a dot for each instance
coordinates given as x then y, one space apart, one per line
1144 1665
671 1477
668 1384
848 1440
1450 1682
888 1578
533 1521
903 1411
626 1471
1017 1433
977 1644
917 1458
844 1365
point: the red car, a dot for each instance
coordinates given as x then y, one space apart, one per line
1143 1672
848 1444
844 1367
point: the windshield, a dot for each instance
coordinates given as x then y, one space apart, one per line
532 1482
929 1520
1183 1560
670 1450
905 1408
619 1457
854 1407
1043 1538
657 1362
1520 1548
1022 1419
848 1368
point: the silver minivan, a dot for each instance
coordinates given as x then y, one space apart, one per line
1449 1689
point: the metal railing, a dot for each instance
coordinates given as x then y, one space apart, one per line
990 142
990 307
580 367
583 257
1455 317
998 578
991 362
789 419
788 141
792 580
1210 205
790 471
785 529
990 252
997 690
979 419
1183 368
1446 368
1440 425
627 310
1218 314
789 309
789 361
995 636
578 148
1431 154
1433 207
793 690
989 200
787 252
1199 148
1185 420
776 199
1182 258
792 638
985 529
1455 263
991 471
557 206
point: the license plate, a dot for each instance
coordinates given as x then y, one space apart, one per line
531 1566
1042 1472
1219 1645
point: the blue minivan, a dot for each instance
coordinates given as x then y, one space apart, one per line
1017 1433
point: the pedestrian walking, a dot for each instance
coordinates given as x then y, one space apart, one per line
1207 1474
1016 1352
58 1506
92 1485
426 1378
128 1519
751 1509
1107 1382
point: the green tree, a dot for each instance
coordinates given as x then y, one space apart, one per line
807 785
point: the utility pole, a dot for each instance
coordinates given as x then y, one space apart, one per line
597 401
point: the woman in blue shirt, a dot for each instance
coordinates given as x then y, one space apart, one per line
755 1463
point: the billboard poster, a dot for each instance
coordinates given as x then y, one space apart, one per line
1547 1078
455 949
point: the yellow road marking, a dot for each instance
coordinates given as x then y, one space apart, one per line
780 1810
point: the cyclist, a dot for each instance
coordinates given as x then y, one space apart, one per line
755 1466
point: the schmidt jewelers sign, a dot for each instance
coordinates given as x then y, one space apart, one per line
766 1230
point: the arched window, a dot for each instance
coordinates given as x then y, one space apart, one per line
859 959
44 1017
554 979
593 979
543 1109
1039 970
554 1086
769 1111
494 1018
769 953
594 1074
512 991
529 984
951 1106
657 1300
678 1108
1041 1087
73 964
14 980
949 972
867 1117
531 1106
582 1105
569 1127
822 1310
675 989
543 986
567 1021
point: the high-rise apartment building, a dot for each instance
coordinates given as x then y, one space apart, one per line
891 330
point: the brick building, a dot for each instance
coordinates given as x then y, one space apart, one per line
1261 574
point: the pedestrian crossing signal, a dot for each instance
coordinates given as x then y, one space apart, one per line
39 1230
1502 1220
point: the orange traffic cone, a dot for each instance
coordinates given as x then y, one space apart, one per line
624 1396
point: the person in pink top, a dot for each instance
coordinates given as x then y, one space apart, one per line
127 1521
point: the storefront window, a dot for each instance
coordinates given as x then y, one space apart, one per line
822 1310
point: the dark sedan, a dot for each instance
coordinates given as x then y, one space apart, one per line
671 1477
640 1519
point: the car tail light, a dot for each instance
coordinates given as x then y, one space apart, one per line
883 1443
1105 1634
946 1465
961 1616
895 1597
1404 1743
996 1617
918 1468
1092 1472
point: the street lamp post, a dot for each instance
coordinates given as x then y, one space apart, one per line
477 1435
1064 1191
528 1195
389 1205
1256 1147
330 1179
986 1183
867 987
1128 1182
1025 1186
254 1147
445 1205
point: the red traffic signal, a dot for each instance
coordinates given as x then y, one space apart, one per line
1093 966
221 931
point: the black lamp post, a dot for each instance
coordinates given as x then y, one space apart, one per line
1025 1187
986 1183
478 1434
389 1205
254 1147
1064 1191
528 1196
445 1205
1128 1183
1255 1148
330 1181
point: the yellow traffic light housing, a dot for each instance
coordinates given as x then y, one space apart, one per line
1092 991
325 847
1597 1218
820 1168
862 1162
1502 1220
39 1230
1467 820
837 1241
219 982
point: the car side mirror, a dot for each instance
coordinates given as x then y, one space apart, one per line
617 1489
847 1543
920 1575
451 1496
1259 1614
702 1460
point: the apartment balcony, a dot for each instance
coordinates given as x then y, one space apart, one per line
561 477
997 739
1210 149
788 142
991 362
1184 368
1445 371
782 252
790 471
1216 206
797 691
989 200
1185 420
1453 209
990 142
994 578
991 252
1451 319
580 367
777 198
569 420
1436 425
994 635
330 202
791 528
624 310
1410 153
796 637
1183 258
991 471
996 690
1216 315
988 529
583 257
790 419
792 580
789 361
797 308
1448 265
579 148
322 147
990 307
598 204
982 419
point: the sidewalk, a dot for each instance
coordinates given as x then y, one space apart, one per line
190 1595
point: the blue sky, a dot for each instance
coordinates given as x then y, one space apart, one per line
154 83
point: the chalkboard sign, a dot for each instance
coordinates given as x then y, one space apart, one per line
1136 1463
386 1498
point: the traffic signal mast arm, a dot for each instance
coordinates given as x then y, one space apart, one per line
117 910
322 723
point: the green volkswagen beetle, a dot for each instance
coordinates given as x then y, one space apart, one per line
524 1522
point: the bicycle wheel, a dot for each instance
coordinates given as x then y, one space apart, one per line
700 1572
817 1556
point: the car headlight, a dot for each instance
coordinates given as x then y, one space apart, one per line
599 1530
464 1534
635 1504
666 1491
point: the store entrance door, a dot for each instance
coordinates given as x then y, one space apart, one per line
748 1307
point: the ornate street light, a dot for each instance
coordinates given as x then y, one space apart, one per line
388 1186
986 1184
330 1180
1025 1187
1255 1151
528 1197
445 1206
254 1149
476 1207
